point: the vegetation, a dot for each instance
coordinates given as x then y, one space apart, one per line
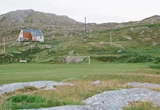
15 57
112 76
32 101
24 101
137 43
141 106
155 66
58 72
27 89
132 55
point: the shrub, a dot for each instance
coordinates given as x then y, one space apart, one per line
28 89
24 101
29 54
106 58
139 58
136 58
26 98
155 66
98 51
141 106
33 101
157 60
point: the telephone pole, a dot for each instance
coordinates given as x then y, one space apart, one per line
4 42
110 38
85 26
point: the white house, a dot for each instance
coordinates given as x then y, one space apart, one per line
31 35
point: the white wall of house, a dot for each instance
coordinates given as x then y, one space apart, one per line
34 38
38 38
20 36
41 38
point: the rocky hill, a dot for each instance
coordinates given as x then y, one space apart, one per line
150 20
16 20
33 18
30 17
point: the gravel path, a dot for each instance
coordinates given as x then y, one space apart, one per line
47 85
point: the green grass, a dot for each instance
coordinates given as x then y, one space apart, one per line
58 72
112 76
141 106
89 46
33 101
153 51
155 66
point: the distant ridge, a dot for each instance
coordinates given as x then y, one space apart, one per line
30 18
21 17
151 20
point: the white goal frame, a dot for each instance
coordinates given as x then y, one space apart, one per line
77 59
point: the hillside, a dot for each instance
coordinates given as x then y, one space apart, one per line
150 20
137 41
30 19
23 17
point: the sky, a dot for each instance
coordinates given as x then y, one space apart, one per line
97 11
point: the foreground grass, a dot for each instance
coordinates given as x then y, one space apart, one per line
141 106
73 95
111 75
32 101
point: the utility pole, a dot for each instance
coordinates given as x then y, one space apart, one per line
85 26
4 42
110 38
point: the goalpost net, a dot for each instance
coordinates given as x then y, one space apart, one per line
78 59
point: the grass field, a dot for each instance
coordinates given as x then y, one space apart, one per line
58 72
112 75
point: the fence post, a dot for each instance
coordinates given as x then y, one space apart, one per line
89 60
11 60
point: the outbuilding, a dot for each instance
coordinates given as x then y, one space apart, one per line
31 35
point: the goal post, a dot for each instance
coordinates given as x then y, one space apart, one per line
78 59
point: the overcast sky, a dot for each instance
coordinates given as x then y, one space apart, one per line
98 11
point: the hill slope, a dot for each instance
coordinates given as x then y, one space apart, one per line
150 20
29 17
133 41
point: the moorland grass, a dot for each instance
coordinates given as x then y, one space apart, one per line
141 106
73 95
111 75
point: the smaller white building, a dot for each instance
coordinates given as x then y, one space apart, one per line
31 35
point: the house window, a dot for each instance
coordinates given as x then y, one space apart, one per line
40 37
